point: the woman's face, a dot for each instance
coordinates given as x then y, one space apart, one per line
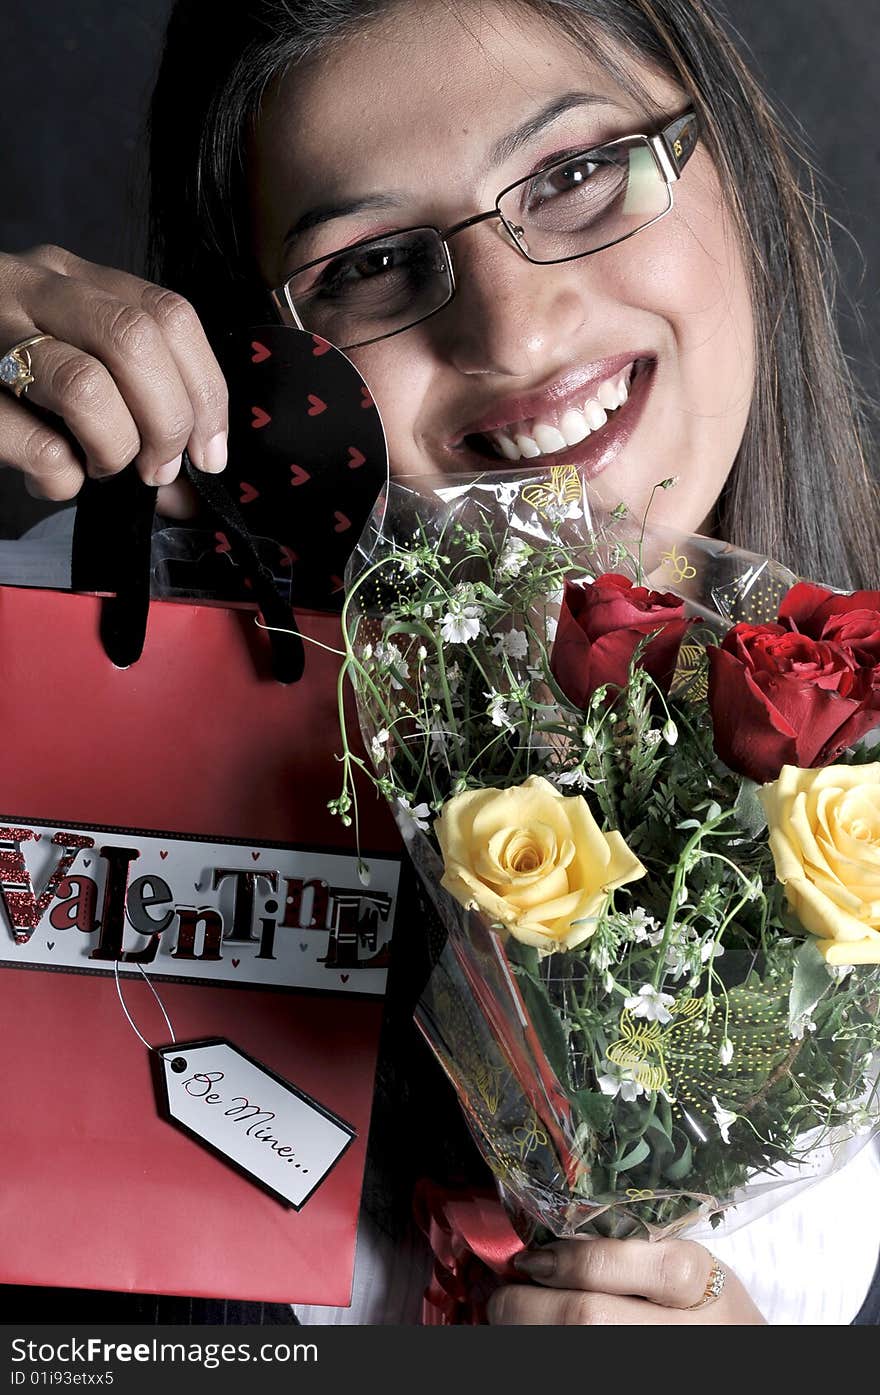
410 111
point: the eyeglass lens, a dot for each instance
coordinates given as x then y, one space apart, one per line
566 211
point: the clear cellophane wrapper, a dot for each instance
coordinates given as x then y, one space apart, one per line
567 1158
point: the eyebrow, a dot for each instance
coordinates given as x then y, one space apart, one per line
503 149
509 144
324 213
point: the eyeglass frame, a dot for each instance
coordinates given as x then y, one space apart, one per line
671 147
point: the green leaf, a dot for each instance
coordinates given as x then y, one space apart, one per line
677 1171
749 810
809 982
635 1156
594 1108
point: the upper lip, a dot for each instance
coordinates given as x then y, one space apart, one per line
572 387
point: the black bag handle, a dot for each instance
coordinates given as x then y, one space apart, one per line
112 531
111 552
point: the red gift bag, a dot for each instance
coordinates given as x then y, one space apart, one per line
170 820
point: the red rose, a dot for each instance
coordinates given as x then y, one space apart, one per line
780 696
853 621
601 626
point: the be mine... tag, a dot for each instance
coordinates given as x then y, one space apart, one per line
260 1124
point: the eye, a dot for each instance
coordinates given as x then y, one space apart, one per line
582 178
363 264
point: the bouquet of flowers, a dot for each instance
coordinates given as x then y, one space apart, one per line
634 772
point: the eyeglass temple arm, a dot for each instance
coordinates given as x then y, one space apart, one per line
676 143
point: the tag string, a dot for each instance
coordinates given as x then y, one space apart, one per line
152 989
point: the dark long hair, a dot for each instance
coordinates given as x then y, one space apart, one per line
800 489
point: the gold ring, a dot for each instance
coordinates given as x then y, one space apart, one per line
714 1286
16 366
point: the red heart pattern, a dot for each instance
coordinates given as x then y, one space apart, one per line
235 963
356 458
255 856
342 523
344 977
298 475
38 837
248 493
316 405
259 418
163 853
366 399
260 351
223 544
50 944
321 346
288 556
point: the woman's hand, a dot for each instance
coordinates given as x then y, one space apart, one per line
128 369
594 1282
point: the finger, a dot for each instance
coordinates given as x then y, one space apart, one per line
79 390
524 1305
178 500
49 463
185 337
672 1273
131 347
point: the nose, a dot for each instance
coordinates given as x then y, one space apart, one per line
509 316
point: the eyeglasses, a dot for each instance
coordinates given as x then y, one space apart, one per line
573 208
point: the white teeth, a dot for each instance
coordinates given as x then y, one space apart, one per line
573 427
506 446
528 447
548 439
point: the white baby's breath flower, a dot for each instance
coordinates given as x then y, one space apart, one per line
422 653
639 924
513 643
461 624
418 817
367 653
378 744
724 1118
725 1055
670 732
651 1004
389 657
497 710
616 1080
576 777
513 557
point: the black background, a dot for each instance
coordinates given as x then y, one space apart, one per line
75 77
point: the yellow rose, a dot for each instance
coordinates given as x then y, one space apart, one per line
534 859
825 839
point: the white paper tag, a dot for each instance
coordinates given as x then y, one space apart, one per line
261 1124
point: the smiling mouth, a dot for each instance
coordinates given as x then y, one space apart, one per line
588 432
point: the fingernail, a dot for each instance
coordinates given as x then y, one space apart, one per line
214 459
538 1264
166 473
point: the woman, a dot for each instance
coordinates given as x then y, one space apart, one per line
309 150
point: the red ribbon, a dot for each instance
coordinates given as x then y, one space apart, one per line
474 1244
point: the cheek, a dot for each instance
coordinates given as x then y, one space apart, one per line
398 377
